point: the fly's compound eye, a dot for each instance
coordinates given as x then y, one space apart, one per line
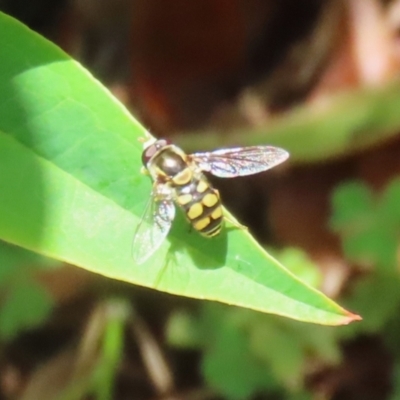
149 152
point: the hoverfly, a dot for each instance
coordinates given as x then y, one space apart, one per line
178 179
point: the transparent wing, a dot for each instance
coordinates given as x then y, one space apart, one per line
153 227
240 161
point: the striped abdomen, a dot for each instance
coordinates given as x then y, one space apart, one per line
201 204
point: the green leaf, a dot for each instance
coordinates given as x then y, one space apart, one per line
373 247
26 306
280 350
341 124
369 227
72 189
395 379
383 292
273 349
116 314
183 330
352 204
230 367
389 205
16 261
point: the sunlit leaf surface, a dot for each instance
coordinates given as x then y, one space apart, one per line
71 189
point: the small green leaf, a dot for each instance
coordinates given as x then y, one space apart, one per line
116 312
373 247
16 261
279 349
383 292
26 306
183 330
369 227
231 369
390 204
72 189
352 204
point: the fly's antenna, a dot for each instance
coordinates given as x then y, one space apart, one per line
147 140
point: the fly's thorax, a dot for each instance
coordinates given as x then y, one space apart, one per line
202 206
170 164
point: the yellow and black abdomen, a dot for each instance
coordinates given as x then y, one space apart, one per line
192 191
201 204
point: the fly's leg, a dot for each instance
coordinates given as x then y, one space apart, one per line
147 140
169 263
146 137
162 191
144 171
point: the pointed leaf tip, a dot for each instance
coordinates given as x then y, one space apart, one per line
87 202
349 317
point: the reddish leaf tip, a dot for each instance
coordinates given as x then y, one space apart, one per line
349 317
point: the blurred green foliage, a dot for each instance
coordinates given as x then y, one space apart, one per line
26 304
369 225
245 352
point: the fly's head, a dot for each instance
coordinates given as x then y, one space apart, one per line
151 148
